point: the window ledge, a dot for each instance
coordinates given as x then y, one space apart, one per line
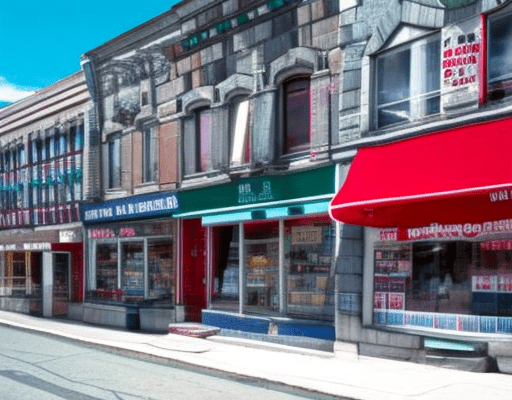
145 187
114 194
488 112
204 179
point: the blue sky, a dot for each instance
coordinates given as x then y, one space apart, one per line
41 41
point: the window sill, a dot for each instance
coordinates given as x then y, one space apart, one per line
145 187
204 179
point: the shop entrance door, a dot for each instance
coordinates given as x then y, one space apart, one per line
194 269
61 284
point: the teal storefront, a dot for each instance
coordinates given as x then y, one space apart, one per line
257 254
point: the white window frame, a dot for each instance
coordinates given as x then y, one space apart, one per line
503 14
417 81
239 118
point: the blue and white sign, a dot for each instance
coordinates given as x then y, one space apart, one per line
143 206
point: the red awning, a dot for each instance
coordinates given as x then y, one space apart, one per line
461 175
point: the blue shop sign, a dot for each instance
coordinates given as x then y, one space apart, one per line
143 206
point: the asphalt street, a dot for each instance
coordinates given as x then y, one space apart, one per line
35 366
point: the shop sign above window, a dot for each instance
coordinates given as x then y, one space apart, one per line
460 64
306 235
447 231
128 208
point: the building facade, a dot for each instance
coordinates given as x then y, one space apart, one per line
230 108
217 135
425 110
41 167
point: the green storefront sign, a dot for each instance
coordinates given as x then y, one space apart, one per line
251 193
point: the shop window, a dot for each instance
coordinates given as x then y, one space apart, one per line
114 161
20 274
239 126
161 273
457 285
309 246
226 268
134 263
499 58
296 115
408 82
197 131
106 270
262 266
132 270
149 158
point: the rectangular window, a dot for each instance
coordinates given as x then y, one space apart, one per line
106 268
76 138
499 57
132 269
449 285
203 137
114 161
296 115
149 159
262 266
161 273
408 82
309 248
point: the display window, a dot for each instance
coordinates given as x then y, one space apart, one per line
226 268
453 285
20 274
161 276
261 250
308 253
132 263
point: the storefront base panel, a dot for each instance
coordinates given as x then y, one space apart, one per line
146 319
158 319
504 364
235 322
75 311
269 325
121 317
23 306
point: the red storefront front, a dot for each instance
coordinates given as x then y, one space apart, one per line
442 259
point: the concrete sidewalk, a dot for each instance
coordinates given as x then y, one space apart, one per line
349 377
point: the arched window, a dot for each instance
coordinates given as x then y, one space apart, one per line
240 149
197 131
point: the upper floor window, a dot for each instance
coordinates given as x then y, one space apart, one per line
76 138
149 158
499 56
296 115
114 161
239 126
408 82
197 133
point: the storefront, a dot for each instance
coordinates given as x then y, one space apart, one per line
440 261
41 271
268 254
131 262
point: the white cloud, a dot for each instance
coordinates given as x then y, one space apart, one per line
10 93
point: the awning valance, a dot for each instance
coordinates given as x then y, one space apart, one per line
461 175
